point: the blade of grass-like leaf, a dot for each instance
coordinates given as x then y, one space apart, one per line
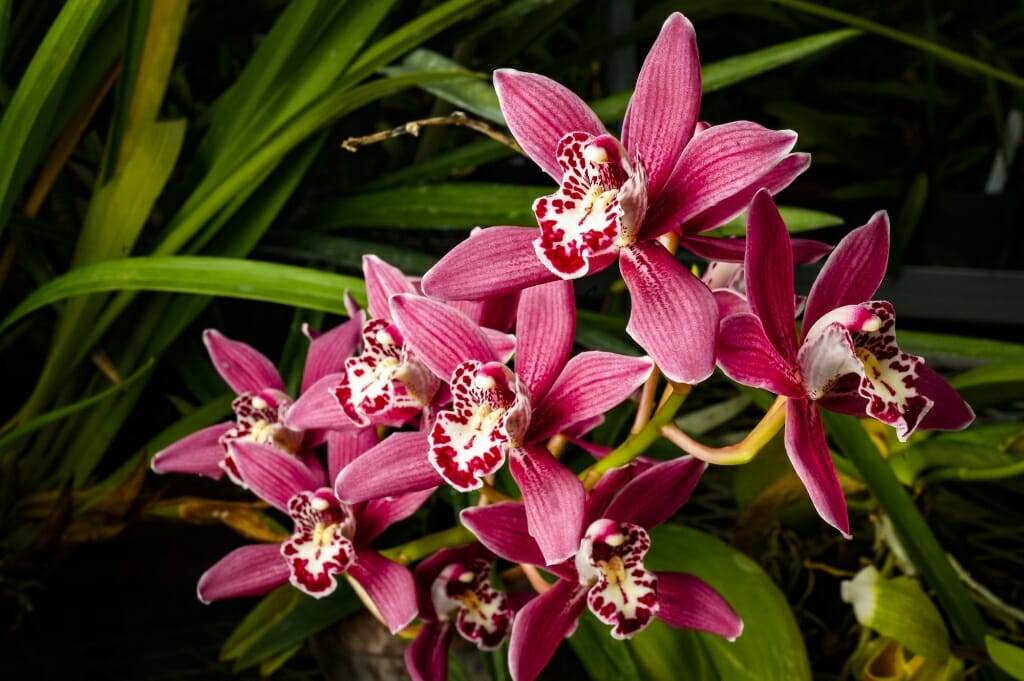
58 414
474 93
940 345
5 27
274 606
455 162
58 52
944 54
915 535
342 251
796 219
230 277
455 205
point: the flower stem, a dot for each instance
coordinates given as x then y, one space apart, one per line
424 546
741 452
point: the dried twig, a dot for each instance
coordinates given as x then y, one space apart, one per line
456 118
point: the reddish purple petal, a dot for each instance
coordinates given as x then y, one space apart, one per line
441 336
318 408
717 165
345 446
502 528
747 357
545 332
491 262
426 658
853 272
389 585
654 496
729 303
240 365
769 271
382 282
674 316
247 571
328 351
539 112
663 110
949 412
553 497
691 603
398 465
380 514
540 627
591 383
805 444
271 474
504 344
200 453
497 312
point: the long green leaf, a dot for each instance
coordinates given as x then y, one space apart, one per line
230 277
57 54
474 93
1007 656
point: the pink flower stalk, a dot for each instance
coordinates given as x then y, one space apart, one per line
615 198
606 573
497 413
455 594
845 358
262 406
329 538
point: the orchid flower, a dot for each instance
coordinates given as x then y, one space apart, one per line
845 358
606 573
497 413
262 405
668 174
330 538
455 594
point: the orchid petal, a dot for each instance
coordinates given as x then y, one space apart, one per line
690 602
247 571
654 496
397 465
591 383
380 514
345 446
674 316
662 113
717 165
769 269
271 474
502 528
496 312
504 344
382 282
240 365
729 303
540 627
328 351
949 411
734 249
539 112
805 444
491 262
389 585
747 357
828 353
200 453
853 272
554 499
441 336
318 408
426 658
545 331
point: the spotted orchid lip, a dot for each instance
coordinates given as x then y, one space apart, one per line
462 593
320 547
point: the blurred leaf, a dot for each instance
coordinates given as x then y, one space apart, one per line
967 451
1008 657
244 517
231 277
909 217
599 331
271 609
940 345
473 93
796 219
602 657
342 251
708 418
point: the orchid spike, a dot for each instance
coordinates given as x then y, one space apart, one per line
606 573
845 359
667 174
261 408
330 539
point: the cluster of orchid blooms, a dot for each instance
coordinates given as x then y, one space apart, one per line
416 392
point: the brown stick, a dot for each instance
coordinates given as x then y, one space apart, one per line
456 118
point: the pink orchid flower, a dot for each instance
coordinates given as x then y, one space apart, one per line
330 538
845 359
497 413
615 198
606 573
455 594
262 406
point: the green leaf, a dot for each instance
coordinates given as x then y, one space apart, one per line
948 452
796 219
1008 657
230 277
603 659
270 610
474 93
452 205
947 346
42 81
